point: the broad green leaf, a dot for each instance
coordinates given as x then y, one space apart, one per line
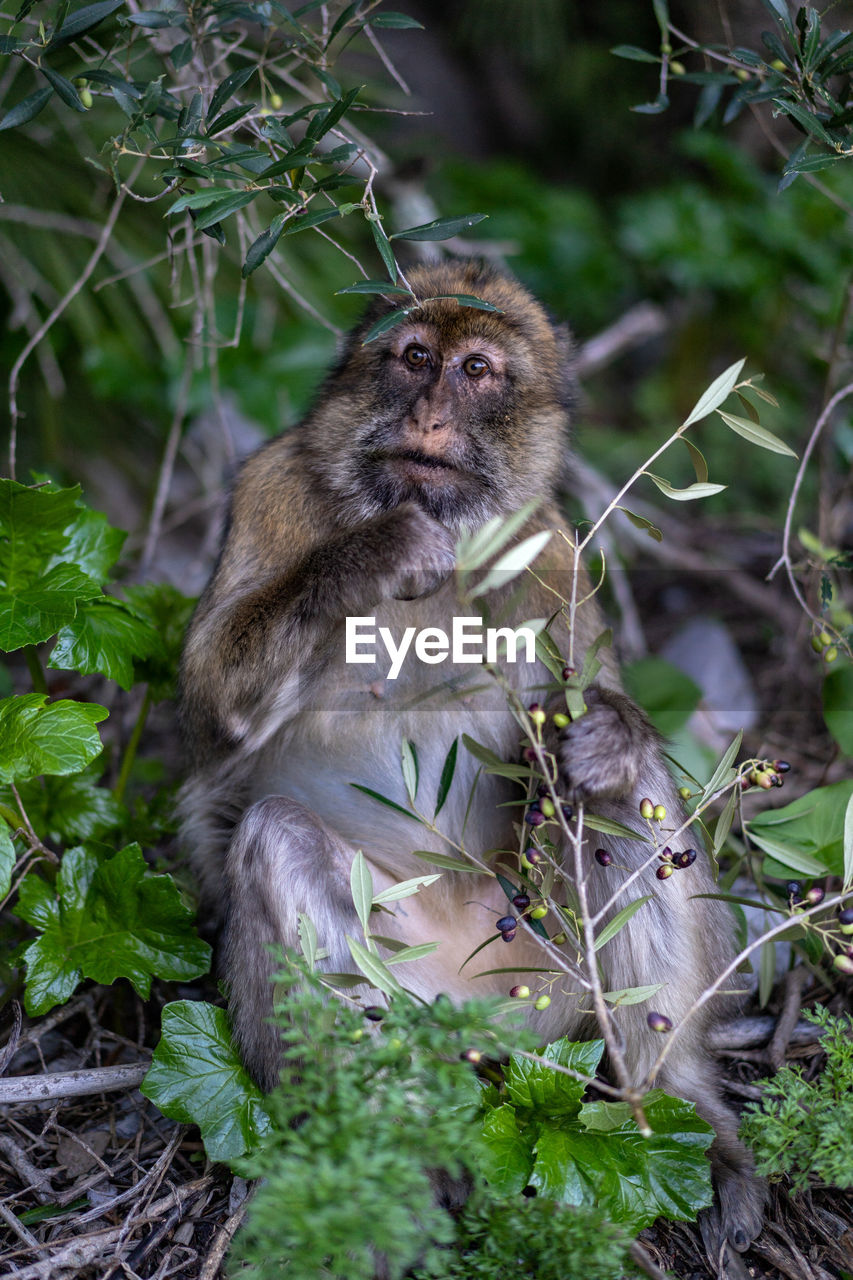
91 544
790 855
848 844
27 109
7 859
105 637
409 763
446 779
838 705
755 434
374 969
666 694
547 1092
32 613
619 921
404 889
109 917
37 737
168 611
504 1156
813 825
689 494
440 228
361 887
196 1077
715 394
68 809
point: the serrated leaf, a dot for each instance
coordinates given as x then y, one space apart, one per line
27 109
70 808
409 765
404 889
109 917
537 1086
445 781
361 887
374 969
91 543
504 1156
755 434
619 921
57 738
168 611
7 859
33 612
689 494
104 638
715 394
439 228
196 1077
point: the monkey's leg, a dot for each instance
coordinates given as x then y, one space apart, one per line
282 860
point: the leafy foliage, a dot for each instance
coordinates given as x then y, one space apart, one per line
801 1127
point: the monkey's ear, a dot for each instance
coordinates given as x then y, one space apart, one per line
567 358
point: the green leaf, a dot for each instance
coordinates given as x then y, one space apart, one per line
168 611
790 856
848 844
215 213
307 939
440 228
36 738
473 550
610 827
493 762
633 995
468 300
385 251
409 764
227 87
805 118
396 22
444 860
724 772
91 544
109 917
548 1092
755 434
642 523
326 119
67 809
377 286
697 457
104 638
715 394
63 88
633 53
512 563
260 249
196 1077
446 779
81 22
25 110
666 694
413 953
689 494
374 969
838 705
724 822
620 920
32 613
504 1156
404 889
391 804
305 220
813 825
385 323
361 887
7 859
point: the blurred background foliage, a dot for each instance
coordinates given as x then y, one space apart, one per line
516 110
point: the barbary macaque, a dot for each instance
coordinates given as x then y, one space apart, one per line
449 418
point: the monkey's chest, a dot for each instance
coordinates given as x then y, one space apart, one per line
356 717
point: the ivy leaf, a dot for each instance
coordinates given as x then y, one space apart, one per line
104 638
55 738
108 917
197 1077
7 859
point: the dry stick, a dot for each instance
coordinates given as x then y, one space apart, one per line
789 1017
71 1084
34 1179
19 1229
154 1175
35 339
785 558
217 1250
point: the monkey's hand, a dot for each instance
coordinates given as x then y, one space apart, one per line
603 752
424 553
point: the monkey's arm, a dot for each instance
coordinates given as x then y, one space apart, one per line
287 577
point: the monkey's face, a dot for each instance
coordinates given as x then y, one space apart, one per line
460 410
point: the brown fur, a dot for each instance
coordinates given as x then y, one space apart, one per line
356 513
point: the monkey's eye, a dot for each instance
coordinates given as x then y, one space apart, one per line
416 357
476 367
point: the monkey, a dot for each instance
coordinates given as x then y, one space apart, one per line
453 415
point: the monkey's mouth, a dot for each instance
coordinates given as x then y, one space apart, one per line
415 465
